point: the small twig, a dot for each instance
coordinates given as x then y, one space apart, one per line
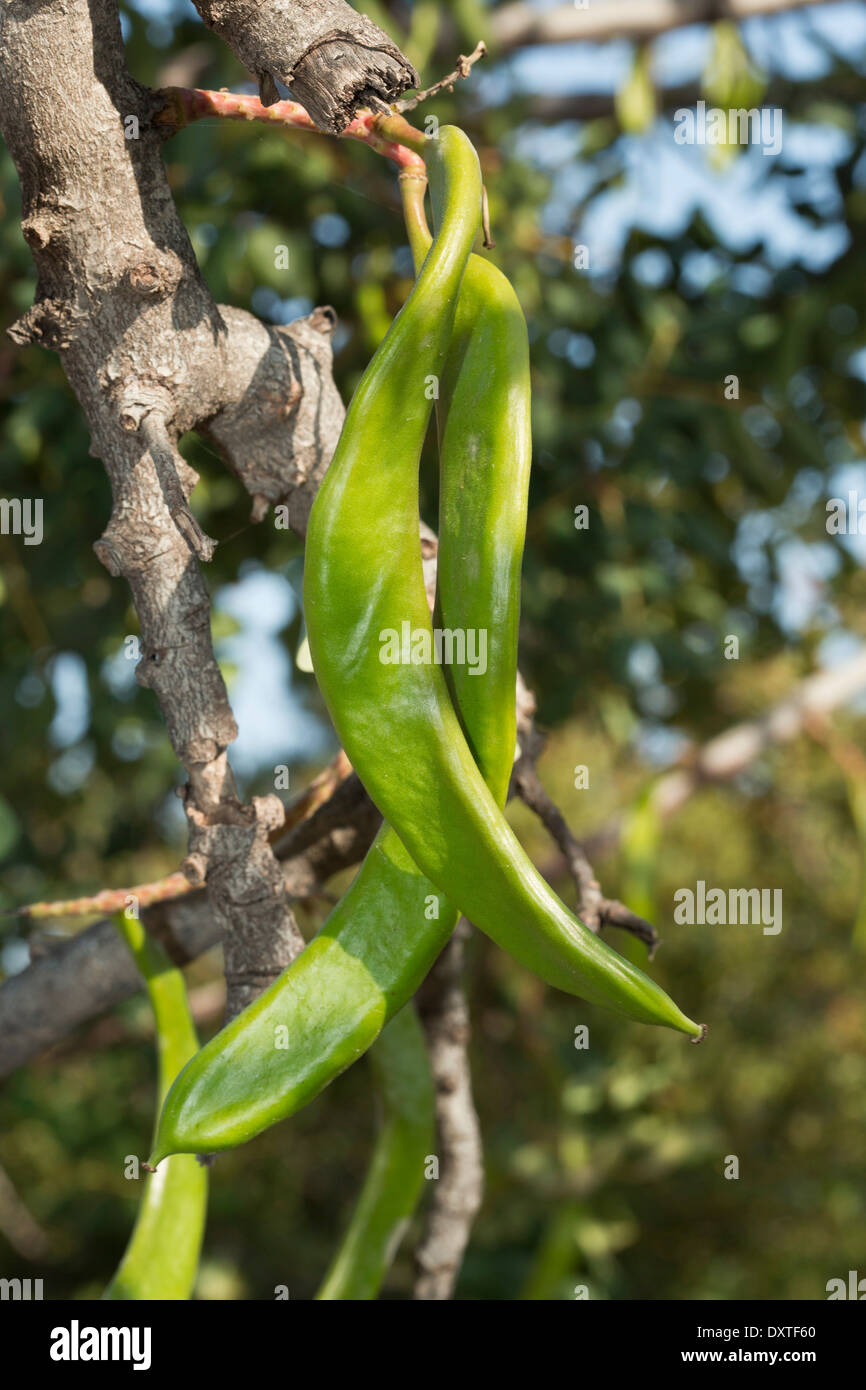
462 70
615 914
183 105
593 909
111 899
176 885
530 790
458 1190
316 794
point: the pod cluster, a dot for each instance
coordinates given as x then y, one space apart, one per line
424 706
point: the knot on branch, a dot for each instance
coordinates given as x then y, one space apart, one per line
157 277
147 410
152 659
323 319
38 230
230 851
48 322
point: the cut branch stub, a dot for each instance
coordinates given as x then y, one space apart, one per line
335 60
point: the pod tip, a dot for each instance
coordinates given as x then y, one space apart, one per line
701 1035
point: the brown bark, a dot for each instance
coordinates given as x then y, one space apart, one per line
150 356
332 58
91 973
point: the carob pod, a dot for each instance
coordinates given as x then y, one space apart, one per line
380 941
483 483
362 579
396 1172
161 1259
366 961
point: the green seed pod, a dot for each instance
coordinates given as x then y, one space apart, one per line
161 1258
396 721
380 941
382 938
396 1172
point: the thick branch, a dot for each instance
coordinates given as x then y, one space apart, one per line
72 982
335 60
150 356
521 24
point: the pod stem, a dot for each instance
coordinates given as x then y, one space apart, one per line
412 190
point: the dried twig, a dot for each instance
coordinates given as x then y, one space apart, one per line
593 908
458 1191
464 67
177 885
111 900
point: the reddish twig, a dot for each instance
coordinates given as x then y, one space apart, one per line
111 900
176 885
183 105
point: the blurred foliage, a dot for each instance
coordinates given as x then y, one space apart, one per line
706 518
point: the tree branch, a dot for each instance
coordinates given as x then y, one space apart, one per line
334 60
593 908
728 754
519 25
150 356
69 982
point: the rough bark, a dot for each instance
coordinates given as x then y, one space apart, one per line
150 356
333 59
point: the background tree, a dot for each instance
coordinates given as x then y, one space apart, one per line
707 519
